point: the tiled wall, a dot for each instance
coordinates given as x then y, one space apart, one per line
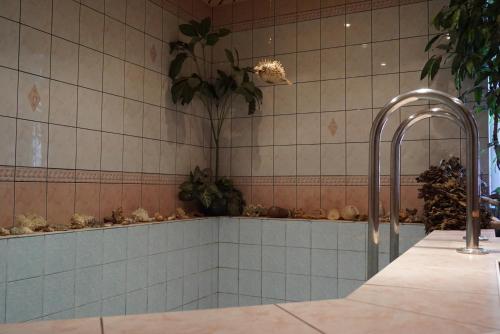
264 261
308 146
109 271
86 124
184 265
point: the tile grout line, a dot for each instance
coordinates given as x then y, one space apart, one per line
300 319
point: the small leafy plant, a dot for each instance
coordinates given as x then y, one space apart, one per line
216 91
469 36
213 198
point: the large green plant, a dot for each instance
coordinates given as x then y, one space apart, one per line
214 91
469 35
215 198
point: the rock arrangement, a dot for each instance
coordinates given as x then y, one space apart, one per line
444 195
349 212
31 223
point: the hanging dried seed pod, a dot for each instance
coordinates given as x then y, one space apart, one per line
271 71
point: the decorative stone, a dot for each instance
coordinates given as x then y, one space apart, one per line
252 210
333 214
4 232
18 230
79 221
32 221
158 217
277 212
117 217
141 215
350 212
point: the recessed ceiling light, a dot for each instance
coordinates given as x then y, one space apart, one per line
364 45
383 64
347 25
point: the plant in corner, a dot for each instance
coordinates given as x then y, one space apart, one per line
469 37
216 92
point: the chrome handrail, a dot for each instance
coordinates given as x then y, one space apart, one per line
461 113
395 169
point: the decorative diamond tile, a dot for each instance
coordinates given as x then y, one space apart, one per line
152 53
34 98
333 127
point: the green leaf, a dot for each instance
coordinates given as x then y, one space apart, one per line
224 32
212 39
229 56
427 67
176 65
188 30
205 26
433 39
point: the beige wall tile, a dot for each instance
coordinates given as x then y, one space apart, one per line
10 9
64 64
443 149
183 128
31 147
357 159
132 117
385 57
443 129
333 127
8 93
419 131
285 130
63 103
308 97
359 29
333 95
285 100
434 7
285 160
308 67
414 157
113 80
153 19
242 41
409 81
241 132
308 128
136 13
114 38
112 152
197 131
308 159
8 139
37 13
62 147
414 19
66 20
112 113
358 93
241 161
333 31
153 55
134 78
358 125
34 51
358 60
9 43
412 53
333 63
33 99
88 149
263 42
134 46
152 87
385 87
168 125
89 109
443 81
132 154
91 28
286 38
95 4
183 161
262 161
333 159
262 131
385 24
151 124
150 156
289 62
90 68
116 9
308 35
167 157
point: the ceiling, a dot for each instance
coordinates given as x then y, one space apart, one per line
215 3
